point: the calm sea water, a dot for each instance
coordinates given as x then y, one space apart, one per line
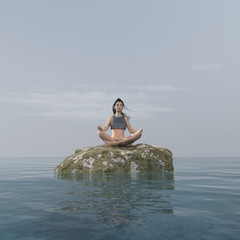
201 200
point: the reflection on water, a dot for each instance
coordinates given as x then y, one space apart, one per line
119 199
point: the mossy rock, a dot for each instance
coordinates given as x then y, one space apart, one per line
103 159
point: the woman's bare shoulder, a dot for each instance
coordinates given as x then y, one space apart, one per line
126 119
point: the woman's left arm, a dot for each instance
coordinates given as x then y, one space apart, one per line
129 127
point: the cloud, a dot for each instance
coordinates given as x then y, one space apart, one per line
146 88
153 88
88 104
206 67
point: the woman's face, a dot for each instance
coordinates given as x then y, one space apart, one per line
118 106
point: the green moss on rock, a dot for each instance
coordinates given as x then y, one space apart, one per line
103 159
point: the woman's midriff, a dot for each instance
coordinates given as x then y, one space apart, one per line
118 133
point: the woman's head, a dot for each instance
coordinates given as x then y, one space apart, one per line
119 105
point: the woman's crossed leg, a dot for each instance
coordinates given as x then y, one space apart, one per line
110 142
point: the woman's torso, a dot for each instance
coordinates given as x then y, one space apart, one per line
118 126
118 133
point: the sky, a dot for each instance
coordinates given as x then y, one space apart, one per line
174 63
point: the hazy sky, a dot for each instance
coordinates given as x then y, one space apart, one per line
175 64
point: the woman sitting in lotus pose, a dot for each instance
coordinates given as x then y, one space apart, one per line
118 122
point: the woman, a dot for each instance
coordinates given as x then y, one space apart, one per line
118 122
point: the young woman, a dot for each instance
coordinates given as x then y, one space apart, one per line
118 122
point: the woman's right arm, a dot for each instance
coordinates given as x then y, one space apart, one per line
105 128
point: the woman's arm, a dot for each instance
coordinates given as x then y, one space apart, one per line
129 127
105 128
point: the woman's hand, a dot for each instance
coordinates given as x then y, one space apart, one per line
99 127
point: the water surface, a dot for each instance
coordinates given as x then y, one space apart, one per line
200 200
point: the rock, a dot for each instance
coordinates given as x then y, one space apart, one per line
103 159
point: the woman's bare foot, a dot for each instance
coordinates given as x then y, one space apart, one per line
111 143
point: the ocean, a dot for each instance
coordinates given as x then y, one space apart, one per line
200 200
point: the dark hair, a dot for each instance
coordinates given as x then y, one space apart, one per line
114 110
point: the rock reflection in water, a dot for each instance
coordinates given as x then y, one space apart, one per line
119 199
